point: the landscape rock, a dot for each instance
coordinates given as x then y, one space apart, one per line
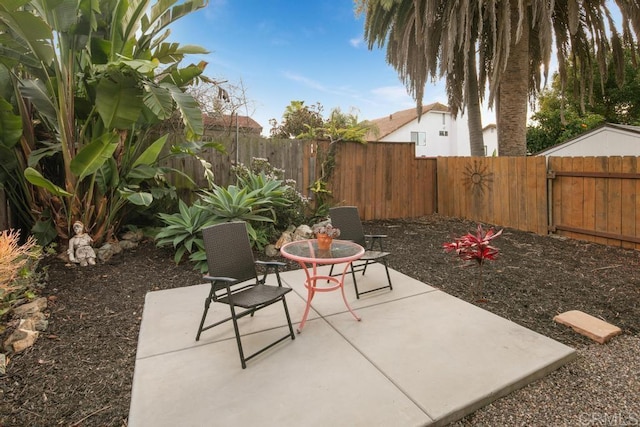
133 236
285 238
303 232
108 250
26 342
30 308
128 244
271 251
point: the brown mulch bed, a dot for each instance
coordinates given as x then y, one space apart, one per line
80 371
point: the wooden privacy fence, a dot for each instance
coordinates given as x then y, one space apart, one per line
588 198
596 199
292 155
591 198
384 180
506 191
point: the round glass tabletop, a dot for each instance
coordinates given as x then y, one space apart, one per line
307 251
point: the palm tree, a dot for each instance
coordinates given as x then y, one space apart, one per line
426 39
406 33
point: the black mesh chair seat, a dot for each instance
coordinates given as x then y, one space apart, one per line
347 219
235 282
256 296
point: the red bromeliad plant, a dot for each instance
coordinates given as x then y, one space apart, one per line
475 247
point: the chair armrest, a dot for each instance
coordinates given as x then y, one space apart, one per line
218 279
375 238
275 265
271 263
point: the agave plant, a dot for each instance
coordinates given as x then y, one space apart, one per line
475 247
183 229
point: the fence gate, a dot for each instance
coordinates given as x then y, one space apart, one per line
595 199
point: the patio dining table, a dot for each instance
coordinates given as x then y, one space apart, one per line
309 256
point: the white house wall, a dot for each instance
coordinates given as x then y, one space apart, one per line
490 137
600 142
455 143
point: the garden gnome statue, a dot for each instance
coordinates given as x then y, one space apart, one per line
80 250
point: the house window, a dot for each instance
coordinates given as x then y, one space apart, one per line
444 133
419 138
443 119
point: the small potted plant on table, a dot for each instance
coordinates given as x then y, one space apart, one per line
325 233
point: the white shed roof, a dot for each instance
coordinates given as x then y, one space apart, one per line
606 140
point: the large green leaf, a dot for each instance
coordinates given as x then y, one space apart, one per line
33 30
64 15
107 177
158 99
182 77
151 154
12 55
118 101
48 149
168 53
94 155
141 173
36 92
10 125
35 178
190 110
139 198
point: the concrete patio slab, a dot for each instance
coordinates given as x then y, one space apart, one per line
418 357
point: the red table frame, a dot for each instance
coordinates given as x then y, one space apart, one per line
322 257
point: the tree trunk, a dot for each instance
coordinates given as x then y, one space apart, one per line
511 112
474 117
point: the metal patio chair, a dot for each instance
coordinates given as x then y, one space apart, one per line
347 219
235 282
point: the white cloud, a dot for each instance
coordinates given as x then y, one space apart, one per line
305 81
392 94
356 42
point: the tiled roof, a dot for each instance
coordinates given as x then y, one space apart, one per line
395 121
229 121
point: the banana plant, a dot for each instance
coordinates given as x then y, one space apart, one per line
88 88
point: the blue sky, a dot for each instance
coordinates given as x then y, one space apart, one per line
307 50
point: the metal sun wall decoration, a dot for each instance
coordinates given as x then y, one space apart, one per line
476 178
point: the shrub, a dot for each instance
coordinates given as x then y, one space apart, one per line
475 247
17 265
297 209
